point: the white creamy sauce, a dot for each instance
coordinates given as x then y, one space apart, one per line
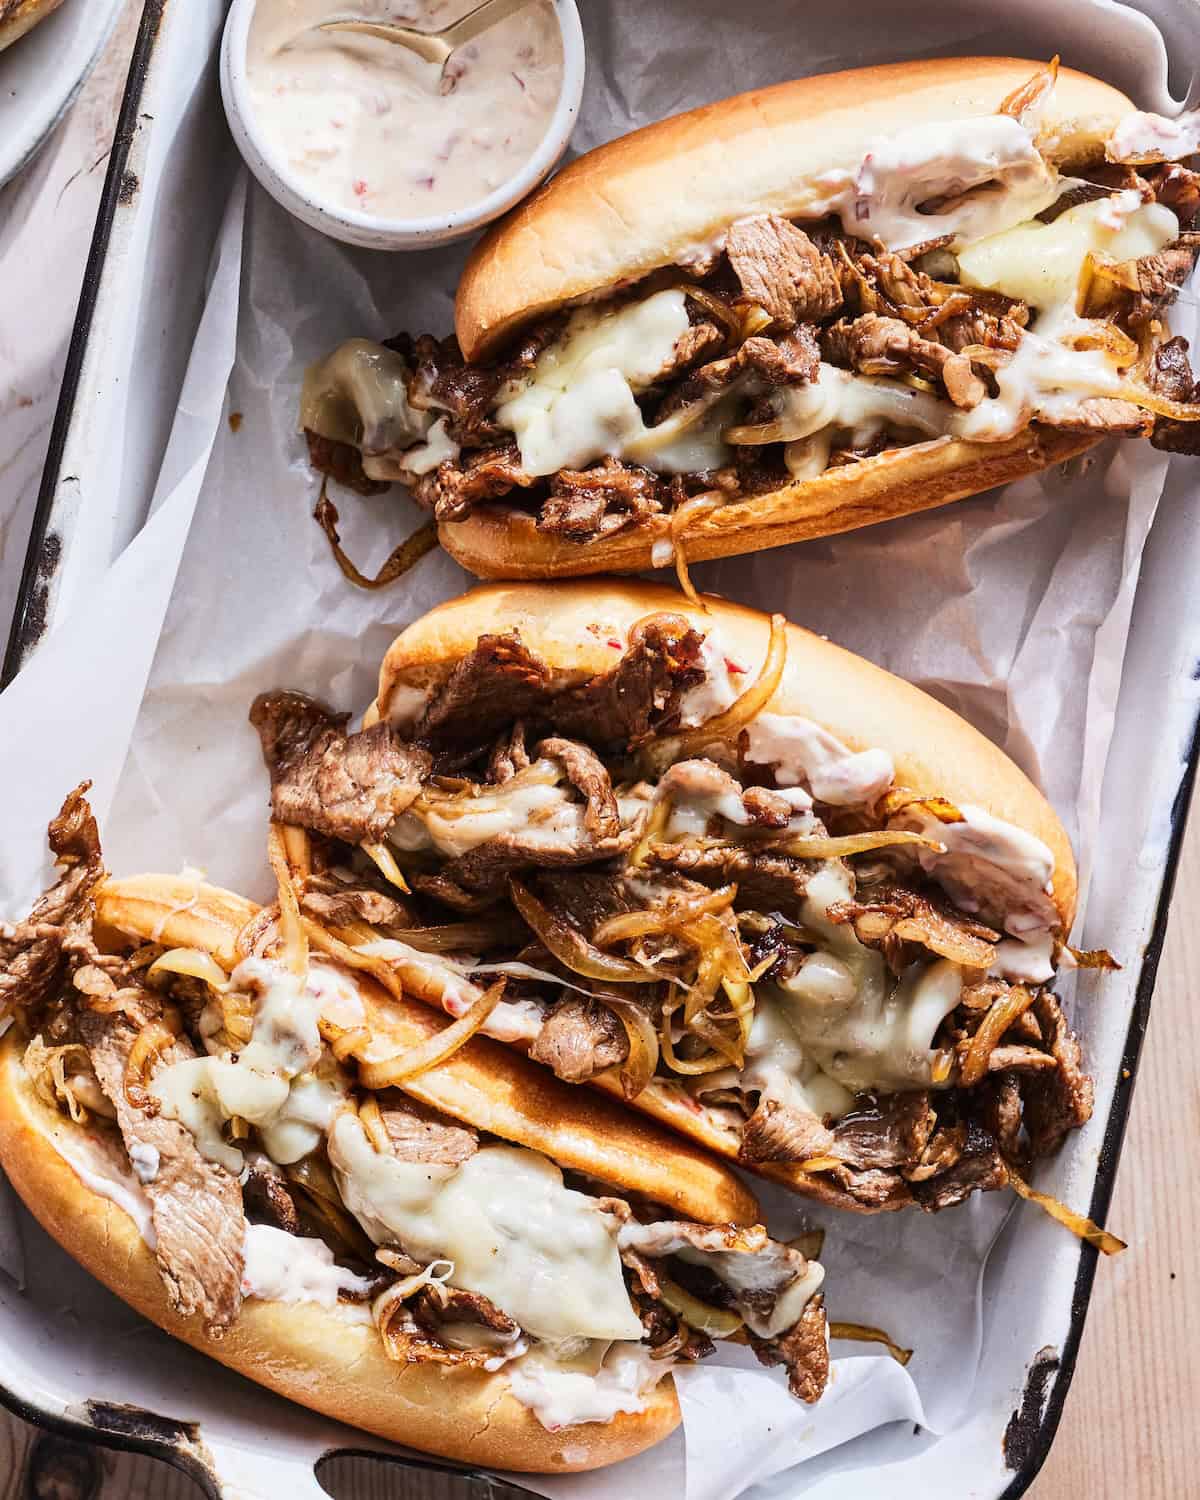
442 981
577 404
1029 962
563 1393
283 1267
369 126
102 1167
277 1081
1141 136
989 866
145 1161
541 1251
962 177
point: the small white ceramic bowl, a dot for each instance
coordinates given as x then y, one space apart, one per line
370 230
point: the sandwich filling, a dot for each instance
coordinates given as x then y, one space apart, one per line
227 1114
724 913
954 286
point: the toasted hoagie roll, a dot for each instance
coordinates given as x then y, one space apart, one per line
788 314
317 1180
774 896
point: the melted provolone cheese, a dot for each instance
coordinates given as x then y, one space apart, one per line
359 395
1041 263
544 1253
860 405
577 404
533 804
277 1081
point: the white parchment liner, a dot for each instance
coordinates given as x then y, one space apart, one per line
1012 607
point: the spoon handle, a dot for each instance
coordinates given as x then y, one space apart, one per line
428 45
480 19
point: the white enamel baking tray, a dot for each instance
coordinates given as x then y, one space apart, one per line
128 1385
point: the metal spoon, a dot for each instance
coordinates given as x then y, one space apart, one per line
434 46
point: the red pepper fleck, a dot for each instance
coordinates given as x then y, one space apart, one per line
732 666
360 187
614 643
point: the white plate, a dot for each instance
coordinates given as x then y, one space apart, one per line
41 73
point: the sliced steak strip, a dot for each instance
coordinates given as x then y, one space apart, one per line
766 882
803 1351
1171 376
781 1132
351 787
580 1039
892 1132
980 1168
780 269
422 1135
587 774
1106 414
619 708
36 955
498 682
196 1205
1059 1102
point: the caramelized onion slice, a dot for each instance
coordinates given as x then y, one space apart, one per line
728 725
434 1050
669 917
194 964
639 1067
1078 1224
852 843
863 1333
568 945
1004 1011
717 1322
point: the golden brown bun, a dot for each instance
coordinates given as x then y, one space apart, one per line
498 541
485 1084
19 16
570 625
653 198
300 1350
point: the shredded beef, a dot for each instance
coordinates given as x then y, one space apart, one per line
1171 376
419 1134
334 904
584 898
437 1304
781 1132
892 918
891 1132
509 756
803 1350
1059 1102
620 708
587 503
457 486
351 787
1178 188
1002 1114
196 1206
37 954
343 463
942 1150
580 1039
980 1168
875 345
704 779
1106 414
780 269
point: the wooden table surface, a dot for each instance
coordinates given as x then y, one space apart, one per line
1129 1431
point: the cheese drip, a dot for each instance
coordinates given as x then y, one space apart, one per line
544 1253
578 404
